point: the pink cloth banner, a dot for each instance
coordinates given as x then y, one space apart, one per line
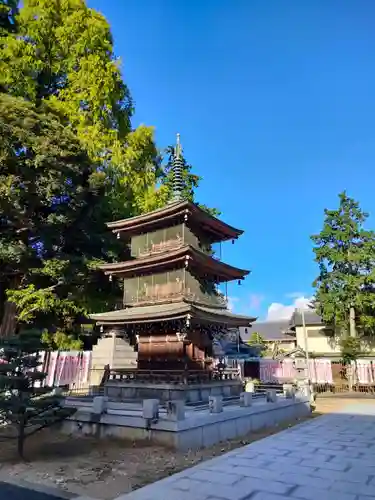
365 371
68 368
279 371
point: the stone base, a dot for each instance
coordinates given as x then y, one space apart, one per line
190 393
199 429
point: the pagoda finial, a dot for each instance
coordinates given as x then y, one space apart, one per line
178 147
177 168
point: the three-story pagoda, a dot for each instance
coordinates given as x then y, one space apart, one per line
172 306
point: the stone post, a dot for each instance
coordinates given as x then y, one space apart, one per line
250 386
215 404
304 388
271 396
99 405
176 410
151 409
289 391
246 399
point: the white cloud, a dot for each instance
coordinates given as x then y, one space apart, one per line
232 301
277 311
255 301
294 295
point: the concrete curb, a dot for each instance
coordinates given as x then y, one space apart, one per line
41 488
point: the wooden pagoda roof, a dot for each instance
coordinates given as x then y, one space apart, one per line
195 258
175 212
170 312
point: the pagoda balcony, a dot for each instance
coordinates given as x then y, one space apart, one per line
187 256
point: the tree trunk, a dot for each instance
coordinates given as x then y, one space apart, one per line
21 436
352 328
9 320
349 375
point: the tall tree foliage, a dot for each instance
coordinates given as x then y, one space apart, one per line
52 233
345 253
60 59
8 11
62 54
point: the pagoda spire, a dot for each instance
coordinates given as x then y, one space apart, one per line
177 169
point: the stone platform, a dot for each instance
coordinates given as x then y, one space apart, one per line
117 390
180 427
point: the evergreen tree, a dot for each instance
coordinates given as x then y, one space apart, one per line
61 61
26 406
8 11
52 233
62 55
61 341
256 340
345 252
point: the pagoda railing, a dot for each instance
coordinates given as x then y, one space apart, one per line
172 376
173 291
162 376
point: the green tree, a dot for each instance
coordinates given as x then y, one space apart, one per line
350 349
62 55
60 341
258 341
52 235
61 59
8 11
345 253
26 406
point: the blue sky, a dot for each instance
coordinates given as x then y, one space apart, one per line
275 104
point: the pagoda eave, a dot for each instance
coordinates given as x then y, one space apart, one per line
177 212
184 256
172 312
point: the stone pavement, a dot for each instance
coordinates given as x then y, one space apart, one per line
10 491
329 458
22 490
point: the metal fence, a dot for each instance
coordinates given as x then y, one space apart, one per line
94 384
344 388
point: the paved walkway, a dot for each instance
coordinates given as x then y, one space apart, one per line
23 490
329 458
12 492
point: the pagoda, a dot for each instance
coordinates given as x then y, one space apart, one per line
172 308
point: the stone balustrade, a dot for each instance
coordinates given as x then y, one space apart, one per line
182 427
